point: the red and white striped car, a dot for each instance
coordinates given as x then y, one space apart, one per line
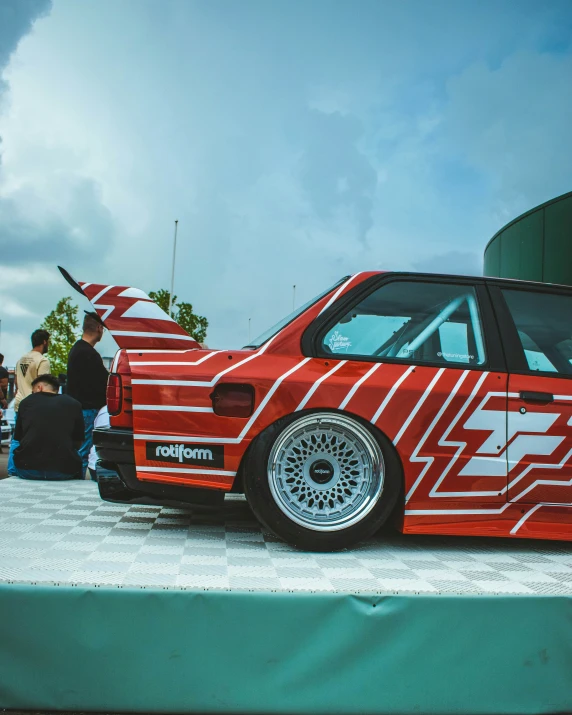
441 402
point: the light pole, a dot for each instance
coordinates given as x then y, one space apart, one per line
293 298
249 331
173 269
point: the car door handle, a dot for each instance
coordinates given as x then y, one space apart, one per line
528 396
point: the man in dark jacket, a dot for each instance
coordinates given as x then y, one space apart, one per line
49 429
87 379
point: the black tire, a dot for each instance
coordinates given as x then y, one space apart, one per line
270 498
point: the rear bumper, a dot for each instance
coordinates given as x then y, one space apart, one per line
117 475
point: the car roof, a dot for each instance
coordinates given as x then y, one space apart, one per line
480 279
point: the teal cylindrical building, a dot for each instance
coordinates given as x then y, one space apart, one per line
536 246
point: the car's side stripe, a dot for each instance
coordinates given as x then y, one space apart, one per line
340 290
317 384
545 482
429 460
187 363
139 334
358 384
172 408
181 470
204 383
528 514
442 512
418 406
391 393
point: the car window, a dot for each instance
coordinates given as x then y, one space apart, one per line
535 358
412 321
544 325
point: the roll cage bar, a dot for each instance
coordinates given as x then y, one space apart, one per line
408 339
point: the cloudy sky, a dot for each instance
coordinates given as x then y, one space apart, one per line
295 141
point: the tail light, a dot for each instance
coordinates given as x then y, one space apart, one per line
114 394
231 400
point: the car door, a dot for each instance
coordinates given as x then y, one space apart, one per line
437 384
536 326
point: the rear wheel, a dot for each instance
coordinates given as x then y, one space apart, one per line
322 481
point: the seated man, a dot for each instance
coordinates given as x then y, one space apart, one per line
49 428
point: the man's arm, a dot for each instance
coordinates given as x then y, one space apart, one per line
100 374
18 428
4 391
44 367
102 371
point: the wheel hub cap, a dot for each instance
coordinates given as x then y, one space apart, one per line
321 472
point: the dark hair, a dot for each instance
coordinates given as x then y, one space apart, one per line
1 358
91 322
39 336
47 379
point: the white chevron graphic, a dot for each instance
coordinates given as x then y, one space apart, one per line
445 442
429 460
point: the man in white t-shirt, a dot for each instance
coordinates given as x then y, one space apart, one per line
101 420
28 368
31 365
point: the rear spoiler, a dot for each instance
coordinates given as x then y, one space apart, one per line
133 319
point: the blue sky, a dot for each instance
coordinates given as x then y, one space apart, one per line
296 142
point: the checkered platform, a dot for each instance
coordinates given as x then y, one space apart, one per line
63 534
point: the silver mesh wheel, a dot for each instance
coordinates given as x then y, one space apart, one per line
326 472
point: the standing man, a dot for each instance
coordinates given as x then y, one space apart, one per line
28 367
49 430
87 379
3 384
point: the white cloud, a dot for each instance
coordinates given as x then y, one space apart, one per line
28 276
13 308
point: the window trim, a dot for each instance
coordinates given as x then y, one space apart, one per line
495 361
515 356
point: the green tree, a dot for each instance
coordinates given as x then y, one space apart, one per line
63 326
183 314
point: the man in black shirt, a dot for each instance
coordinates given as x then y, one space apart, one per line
87 379
49 429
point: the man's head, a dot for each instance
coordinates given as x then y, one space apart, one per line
40 341
92 328
46 383
1 359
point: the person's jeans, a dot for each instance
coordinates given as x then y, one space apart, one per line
43 474
88 419
12 472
